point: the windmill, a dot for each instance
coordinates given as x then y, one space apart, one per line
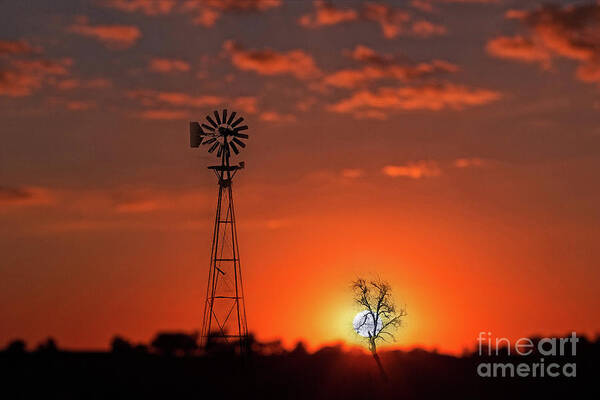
224 319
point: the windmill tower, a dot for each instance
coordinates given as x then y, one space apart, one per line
224 318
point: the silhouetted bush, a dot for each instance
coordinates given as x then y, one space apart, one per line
48 346
120 345
17 346
140 348
299 349
175 343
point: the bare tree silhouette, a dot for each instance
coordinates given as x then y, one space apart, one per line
380 317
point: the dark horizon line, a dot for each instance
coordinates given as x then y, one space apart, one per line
110 348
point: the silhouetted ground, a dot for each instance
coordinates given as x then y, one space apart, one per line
134 372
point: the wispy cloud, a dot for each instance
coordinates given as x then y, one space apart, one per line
247 104
154 97
271 62
352 173
205 12
81 105
433 97
21 196
112 36
519 48
414 170
423 5
568 32
148 7
104 202
468 162
470 1
273 116
22 77
430 5
10 47
178 105
395 21
76 83
327 14
167 114
370 114
392 21
168 65
379 67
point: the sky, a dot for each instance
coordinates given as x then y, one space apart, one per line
449 147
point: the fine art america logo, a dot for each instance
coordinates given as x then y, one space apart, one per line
531 363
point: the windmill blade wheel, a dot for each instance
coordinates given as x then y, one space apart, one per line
222 132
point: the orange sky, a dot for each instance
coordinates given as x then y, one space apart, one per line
449 147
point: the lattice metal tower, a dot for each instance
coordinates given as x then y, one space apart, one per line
224 318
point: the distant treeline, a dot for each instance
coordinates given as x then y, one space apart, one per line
164 343
188 344
173 366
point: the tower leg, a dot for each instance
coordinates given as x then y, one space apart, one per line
224 320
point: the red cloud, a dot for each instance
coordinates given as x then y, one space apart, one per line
368 55
273 116
427 5
80 105
394 21
25 196
425 29
165 65
15 47
207 17
75 83
110 208
571 32
519 48
209 11
414 170
589 72
370 114
423 5
148 7
112 36
164 114
156 101
22 77
152 97
270 62
425 97
471 1
327 14
139 200
46 67
247 104
206 12
306 103
352 78
383 67
352 173
469 162
238 5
